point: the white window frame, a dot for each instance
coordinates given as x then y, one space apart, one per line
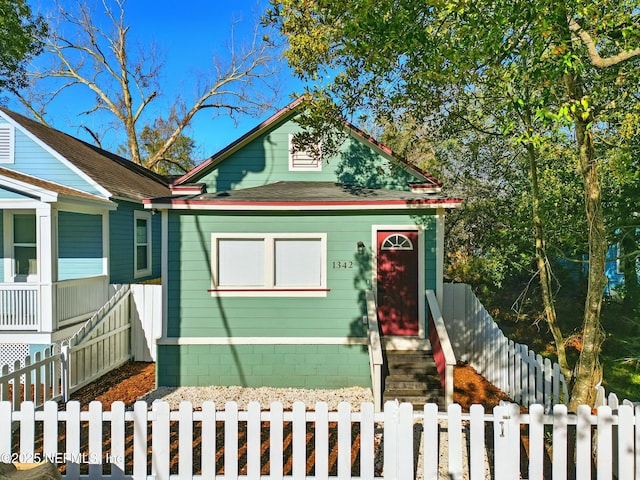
8 141
138 215
293 154
269 289
10 274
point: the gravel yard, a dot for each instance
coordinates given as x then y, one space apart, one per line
263 395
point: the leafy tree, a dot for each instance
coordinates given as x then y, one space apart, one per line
21 35
90 49
178 159
529 68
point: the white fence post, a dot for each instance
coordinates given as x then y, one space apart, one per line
506 441
65 371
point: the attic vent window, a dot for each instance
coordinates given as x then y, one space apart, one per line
6 144
300 160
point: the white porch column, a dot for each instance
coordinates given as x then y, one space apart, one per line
439 255
47 254
164 271
105 245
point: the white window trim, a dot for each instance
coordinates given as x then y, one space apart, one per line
138 215
10 132
269 290
8 240
292 168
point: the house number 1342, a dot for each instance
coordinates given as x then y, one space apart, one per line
342 264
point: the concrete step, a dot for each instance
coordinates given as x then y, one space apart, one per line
412 382
412 377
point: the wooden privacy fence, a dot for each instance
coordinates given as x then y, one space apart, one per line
477 340
102 344
398 443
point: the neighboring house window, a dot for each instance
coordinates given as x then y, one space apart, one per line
269 264
396 241
300 160
7 133
142 251
25 247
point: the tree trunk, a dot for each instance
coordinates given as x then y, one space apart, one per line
588 372
544 269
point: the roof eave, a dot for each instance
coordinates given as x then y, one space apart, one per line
240 142
196 204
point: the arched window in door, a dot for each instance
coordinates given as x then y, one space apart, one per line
396 241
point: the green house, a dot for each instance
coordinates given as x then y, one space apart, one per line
272 260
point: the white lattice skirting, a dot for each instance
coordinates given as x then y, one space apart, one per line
10 352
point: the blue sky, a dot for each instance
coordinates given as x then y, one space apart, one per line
189 33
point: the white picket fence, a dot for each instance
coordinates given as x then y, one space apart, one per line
477 340
398 443
102 344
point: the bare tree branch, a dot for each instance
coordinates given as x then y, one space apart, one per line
592 49
98 56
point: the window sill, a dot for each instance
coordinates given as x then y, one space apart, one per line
271 292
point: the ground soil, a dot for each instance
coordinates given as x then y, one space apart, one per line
134 379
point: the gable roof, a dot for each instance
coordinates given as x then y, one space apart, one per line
304 195
289 111
11 180
114 175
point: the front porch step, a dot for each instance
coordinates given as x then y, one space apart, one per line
412 377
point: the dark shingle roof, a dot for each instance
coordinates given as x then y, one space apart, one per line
121 177
284 193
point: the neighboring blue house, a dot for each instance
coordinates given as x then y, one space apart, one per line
71 223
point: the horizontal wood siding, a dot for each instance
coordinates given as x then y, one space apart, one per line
79 245
32 159
266 160
296 366
121 239
193 312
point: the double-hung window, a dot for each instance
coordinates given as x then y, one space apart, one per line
25 247
269 264
142 247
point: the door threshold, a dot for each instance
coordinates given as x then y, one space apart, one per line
406 343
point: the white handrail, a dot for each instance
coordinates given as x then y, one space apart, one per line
375 350
445 369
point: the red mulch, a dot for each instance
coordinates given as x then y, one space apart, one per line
126 383
472 388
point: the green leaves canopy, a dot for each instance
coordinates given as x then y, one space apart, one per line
21 34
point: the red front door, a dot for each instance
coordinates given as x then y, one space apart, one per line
398 282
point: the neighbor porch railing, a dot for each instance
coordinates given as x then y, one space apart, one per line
78 299
19 306
22 308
